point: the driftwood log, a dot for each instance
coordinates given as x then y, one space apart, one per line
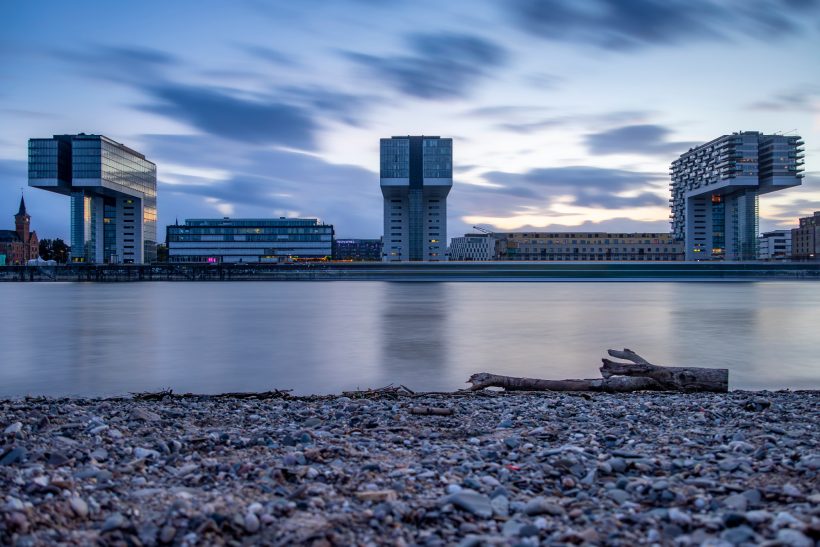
618 377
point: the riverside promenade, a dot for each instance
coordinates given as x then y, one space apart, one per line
443 271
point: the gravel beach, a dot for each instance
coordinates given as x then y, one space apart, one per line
503 469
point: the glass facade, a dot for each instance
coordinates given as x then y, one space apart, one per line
113 191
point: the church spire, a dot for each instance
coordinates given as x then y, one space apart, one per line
22 211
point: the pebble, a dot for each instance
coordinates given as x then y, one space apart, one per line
13 429
684 469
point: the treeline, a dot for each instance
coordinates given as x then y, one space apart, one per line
54 249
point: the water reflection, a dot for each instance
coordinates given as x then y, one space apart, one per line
414 325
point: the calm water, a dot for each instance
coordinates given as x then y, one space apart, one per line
103 339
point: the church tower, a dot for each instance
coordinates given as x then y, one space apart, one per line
22 222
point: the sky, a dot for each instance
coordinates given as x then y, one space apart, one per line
564 114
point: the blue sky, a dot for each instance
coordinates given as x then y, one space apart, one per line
564 113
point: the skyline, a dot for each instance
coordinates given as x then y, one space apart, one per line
258 109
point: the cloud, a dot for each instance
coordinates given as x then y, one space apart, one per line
440 66
580 186
126 65
597 120
806 99
269 55
643 139
621 25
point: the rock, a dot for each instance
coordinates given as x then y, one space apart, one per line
794 538
13 504
145 453
541 506
758 517
736 502
377 495
511 528
528 530
784 519
113 522
501 506
13 429
312 422
472 502
738 535
679 517
15 455
730 520
251 523
791 490
167 533
57 459
618 465
144 415
99 454
618 496
512 442
757 404
79 506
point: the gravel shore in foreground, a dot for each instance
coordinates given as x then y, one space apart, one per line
527 469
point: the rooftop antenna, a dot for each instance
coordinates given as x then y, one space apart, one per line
790 131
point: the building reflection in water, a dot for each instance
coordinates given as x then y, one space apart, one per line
414 326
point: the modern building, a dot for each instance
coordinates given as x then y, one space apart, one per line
806 238
594 246
113 192
473 247
20 245
775 245
715 189
357 250
249 240
416 177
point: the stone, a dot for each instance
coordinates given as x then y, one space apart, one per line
312 422
79 506
99 454
13 429
791 490
618 496
542 506
57 459
738 535
784 519
472 502
679 517
736 502
758 516
167 533
15 455
377 495
251 523
113 522
144 415
794 538
145 453
501 506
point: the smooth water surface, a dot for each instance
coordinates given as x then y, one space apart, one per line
322 337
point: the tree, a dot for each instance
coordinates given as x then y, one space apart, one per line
46 249
162 253
59 251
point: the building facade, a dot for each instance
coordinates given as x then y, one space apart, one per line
416 176
20 245
357 250
113 191
252 240
715 189
590 246
806 238
775 245
473 247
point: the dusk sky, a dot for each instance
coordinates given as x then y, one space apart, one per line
564 114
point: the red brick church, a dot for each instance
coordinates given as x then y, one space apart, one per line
19 245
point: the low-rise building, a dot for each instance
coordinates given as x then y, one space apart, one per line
20 245
595 246
249 240
472 247
775 245
358 250
806 238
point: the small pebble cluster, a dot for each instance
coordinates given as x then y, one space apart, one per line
503 469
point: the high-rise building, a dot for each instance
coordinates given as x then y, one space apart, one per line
416 176
234 240
715 189
806 238
113 192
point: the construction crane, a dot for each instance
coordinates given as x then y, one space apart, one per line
482 229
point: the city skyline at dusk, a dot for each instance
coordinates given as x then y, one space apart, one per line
562 117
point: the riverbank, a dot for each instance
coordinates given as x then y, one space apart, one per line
420 271
502 469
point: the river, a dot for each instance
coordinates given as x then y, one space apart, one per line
93 339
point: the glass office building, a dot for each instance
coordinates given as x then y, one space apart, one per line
416 177
715 189
227 240
113 192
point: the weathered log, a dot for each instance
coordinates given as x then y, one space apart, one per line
618 384
618 377
670 378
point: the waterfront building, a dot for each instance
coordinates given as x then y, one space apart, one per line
472 247
594 246
416 176
249 240
775 245
113 191
357 250
806 238
715 189
20 245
